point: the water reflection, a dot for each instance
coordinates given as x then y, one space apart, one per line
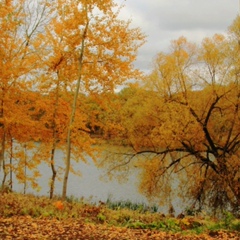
90 185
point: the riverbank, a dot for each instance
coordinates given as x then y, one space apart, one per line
30 217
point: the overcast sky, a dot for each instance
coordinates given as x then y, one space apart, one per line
166 20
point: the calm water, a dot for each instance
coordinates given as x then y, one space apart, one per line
90 185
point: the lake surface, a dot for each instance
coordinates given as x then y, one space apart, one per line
90 185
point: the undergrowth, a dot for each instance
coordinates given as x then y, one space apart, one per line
122 214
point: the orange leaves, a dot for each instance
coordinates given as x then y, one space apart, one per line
59 205
191 109
82 41
109 43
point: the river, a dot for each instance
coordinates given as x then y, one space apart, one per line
90 186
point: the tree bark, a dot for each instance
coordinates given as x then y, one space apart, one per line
54 172
71 122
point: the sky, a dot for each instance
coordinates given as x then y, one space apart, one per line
166 20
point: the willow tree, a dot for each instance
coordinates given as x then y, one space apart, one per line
200 120
189 122
97 54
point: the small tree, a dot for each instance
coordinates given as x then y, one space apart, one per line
20 24
96 54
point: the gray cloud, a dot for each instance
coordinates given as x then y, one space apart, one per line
166 20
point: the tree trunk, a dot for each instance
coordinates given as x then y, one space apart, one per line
54 172
25 170
2 152
71 122
3 160
11 166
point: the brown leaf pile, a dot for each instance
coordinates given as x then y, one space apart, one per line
26 228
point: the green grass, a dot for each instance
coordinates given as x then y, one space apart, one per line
122 214
140 207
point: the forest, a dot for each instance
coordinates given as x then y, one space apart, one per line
60 66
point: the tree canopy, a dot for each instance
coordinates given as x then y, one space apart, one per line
60 65
185 121
52 57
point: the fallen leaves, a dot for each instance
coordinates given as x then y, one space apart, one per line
30 217
26 227
59 205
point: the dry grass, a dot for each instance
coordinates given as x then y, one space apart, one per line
17 205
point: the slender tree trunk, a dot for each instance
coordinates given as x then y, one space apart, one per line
4 175
71 122
3 160
3 163
25 170
11 167
54 172
2 152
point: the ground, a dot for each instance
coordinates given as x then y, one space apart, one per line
26 227
27 217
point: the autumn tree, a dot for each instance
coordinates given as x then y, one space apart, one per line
21 23
95 51
188 124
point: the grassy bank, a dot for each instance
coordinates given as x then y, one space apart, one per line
112 214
